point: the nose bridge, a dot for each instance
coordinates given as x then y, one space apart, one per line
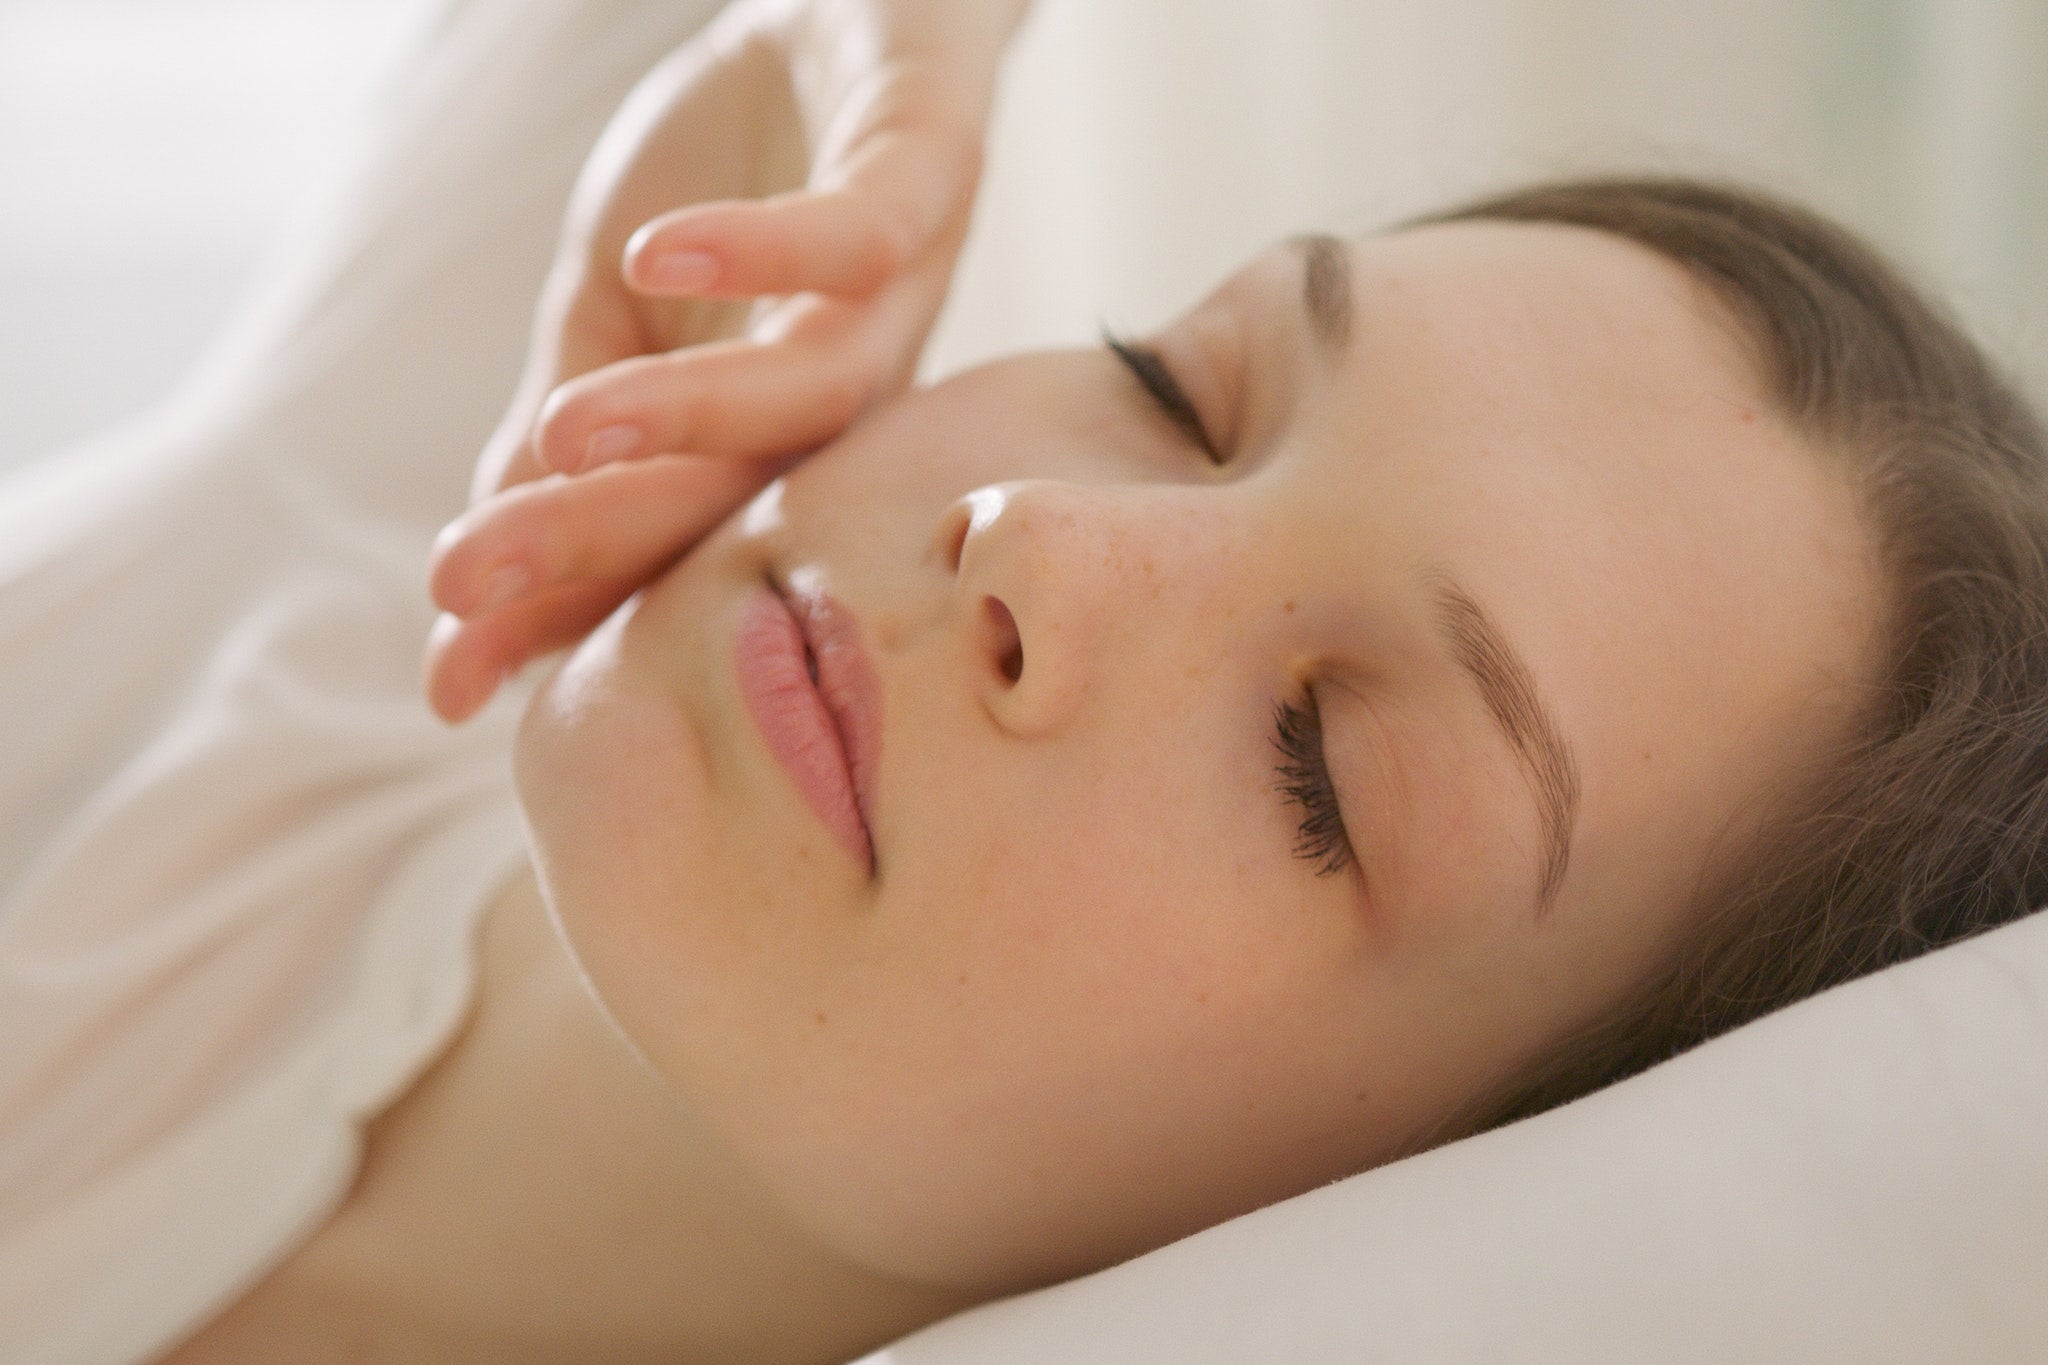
1085 541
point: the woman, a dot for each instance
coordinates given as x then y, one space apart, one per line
1112 790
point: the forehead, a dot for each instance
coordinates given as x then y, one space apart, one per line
1570 424
1565 379
1552 309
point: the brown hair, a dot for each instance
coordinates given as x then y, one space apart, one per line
1931 822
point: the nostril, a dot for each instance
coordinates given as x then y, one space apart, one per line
1004 644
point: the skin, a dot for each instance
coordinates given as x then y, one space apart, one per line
1091 999
726 1097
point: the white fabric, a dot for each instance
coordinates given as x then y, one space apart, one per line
240 863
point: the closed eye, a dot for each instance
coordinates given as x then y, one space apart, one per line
1150 369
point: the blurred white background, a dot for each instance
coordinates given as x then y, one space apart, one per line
152 150
1150 144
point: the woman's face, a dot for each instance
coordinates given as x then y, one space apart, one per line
1234 820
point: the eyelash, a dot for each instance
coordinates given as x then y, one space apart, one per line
1149 367
1305 780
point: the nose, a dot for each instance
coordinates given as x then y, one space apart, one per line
1050 579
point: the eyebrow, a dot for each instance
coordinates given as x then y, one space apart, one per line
1496 671
1326 288
1509 691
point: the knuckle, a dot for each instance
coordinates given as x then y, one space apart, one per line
559 415
887 240
691 416
782 259
884 228
837 395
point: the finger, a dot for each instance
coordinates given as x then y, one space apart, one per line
734 398
509 455
467 661
624 521
886 201
579 326
831 243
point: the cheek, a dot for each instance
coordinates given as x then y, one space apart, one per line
1119 866
613 829
596 767
1069 1038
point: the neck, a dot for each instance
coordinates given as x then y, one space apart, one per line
541 1185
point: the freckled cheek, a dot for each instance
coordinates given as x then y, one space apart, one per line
1111 897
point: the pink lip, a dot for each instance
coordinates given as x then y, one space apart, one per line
825 732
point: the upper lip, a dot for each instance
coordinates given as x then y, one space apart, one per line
847 683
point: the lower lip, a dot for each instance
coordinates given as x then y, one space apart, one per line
775 680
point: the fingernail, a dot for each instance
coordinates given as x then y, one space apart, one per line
682 270
505 582
611 443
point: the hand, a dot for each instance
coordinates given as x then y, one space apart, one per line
653 401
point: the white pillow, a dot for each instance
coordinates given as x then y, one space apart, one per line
1861 1177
